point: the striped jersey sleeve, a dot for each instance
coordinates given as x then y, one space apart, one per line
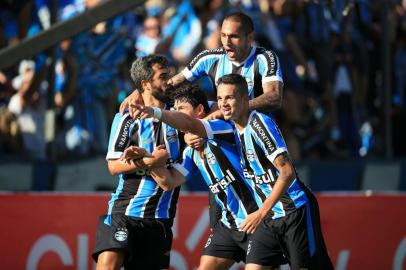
219 130
119 135
187 167
201 64
267 135
268 66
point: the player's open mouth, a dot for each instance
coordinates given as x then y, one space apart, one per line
230 52
226 111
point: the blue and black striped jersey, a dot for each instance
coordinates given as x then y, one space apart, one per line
260 66
261 142
221 170
137 194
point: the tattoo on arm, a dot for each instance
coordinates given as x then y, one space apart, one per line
282 159
270 100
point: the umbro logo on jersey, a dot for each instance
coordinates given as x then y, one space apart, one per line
208 241
171 135
250 155
211 159
249 247
121 234
146 141
250 83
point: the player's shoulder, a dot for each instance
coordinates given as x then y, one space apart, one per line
261 51
220 122
123 116
207 54
188 151
259 117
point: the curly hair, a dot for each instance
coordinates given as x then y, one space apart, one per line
190 93
141 68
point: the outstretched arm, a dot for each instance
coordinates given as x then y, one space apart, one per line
270 100
175 119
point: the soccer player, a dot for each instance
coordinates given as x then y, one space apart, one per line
136 232
259 66
289 212
219 164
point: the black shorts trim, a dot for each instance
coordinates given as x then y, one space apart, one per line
226 243
146 243
298 235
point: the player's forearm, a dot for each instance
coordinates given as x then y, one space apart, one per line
183 122
270 100
118 166
167 179
281 185
177 79
266 102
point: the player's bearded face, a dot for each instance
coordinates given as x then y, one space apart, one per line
159 83
161 94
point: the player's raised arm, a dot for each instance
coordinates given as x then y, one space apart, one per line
271 99
177 79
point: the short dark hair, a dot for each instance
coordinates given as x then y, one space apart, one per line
190 93
245 21
237 80
141 68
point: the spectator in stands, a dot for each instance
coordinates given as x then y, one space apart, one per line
148 40
29 105
99 53
186 29
10 133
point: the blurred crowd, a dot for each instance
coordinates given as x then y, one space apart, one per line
331 52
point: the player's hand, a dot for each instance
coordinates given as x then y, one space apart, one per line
194 141
215 115
141 112
177 79
159 157
253 220
134 98
132 153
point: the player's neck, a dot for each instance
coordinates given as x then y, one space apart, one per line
151 101
244 58
242 121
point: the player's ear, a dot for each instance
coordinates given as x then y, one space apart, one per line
144 85
200 110
251 36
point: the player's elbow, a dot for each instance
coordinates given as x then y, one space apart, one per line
275 101
166 187
288 173
171 184
112 169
